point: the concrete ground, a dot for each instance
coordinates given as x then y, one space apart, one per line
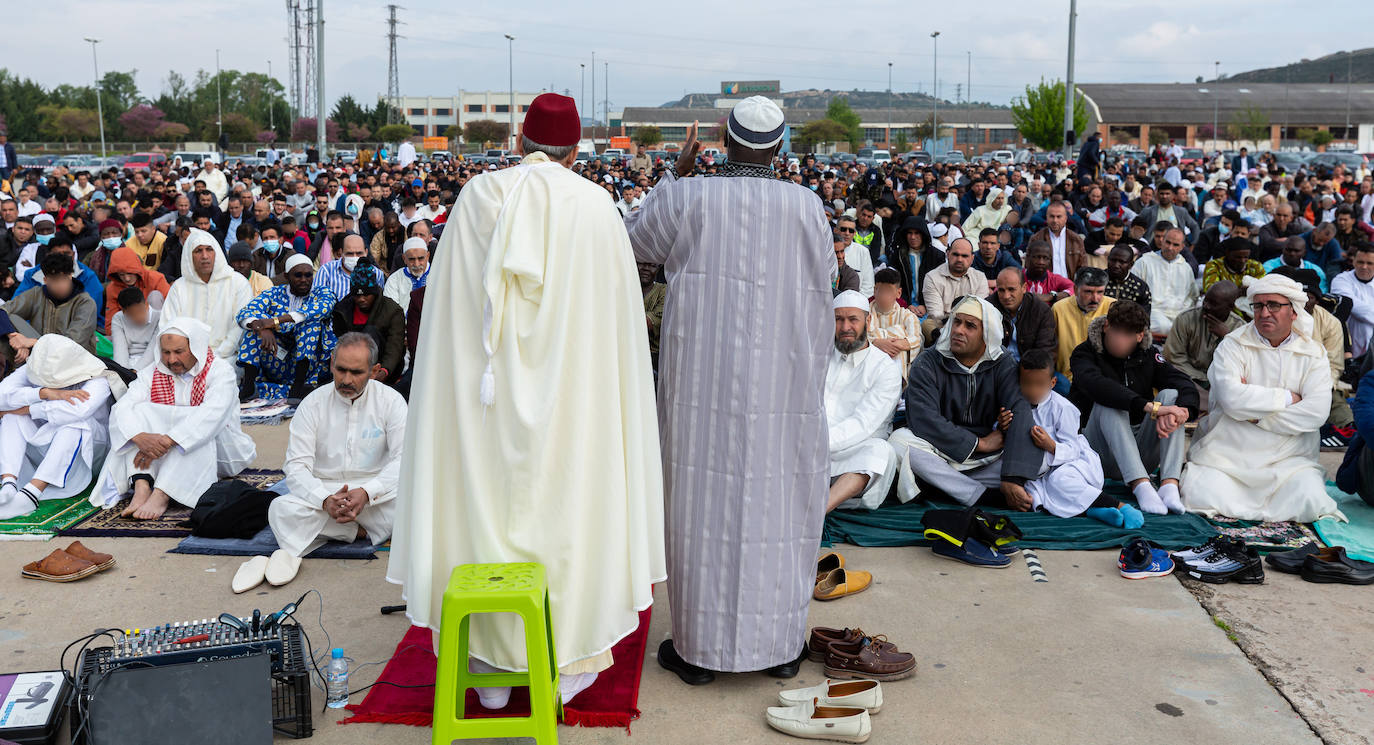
1084 657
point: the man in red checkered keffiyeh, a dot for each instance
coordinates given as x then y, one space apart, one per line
177 429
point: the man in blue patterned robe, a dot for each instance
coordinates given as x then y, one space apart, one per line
287 339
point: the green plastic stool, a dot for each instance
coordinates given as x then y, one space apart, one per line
496 588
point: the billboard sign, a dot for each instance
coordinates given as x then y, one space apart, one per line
750 87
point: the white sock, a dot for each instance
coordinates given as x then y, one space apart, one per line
1168 493
491 697
1149 499
8 489
571 685
17 505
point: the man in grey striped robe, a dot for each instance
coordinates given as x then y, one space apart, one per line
747 330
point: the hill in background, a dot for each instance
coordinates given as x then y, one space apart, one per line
1329 69
818 99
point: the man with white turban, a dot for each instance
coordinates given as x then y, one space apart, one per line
1255 454
955 393
862 387
211 292
177 429
287 340
53 431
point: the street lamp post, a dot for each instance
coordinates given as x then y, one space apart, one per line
582 107
935 90
889 108
510 50
1069 90
219 102
271 116
99 107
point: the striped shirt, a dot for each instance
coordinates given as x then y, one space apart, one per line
332 277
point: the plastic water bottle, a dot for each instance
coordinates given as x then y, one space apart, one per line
336 679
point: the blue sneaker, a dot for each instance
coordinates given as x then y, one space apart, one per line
1140 560
972 553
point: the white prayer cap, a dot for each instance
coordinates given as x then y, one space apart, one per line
296 260
414 242
850 299
42 217
938 230
756 123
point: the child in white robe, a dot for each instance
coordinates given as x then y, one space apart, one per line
1071 478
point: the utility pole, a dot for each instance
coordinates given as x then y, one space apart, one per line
510 59
1349 64
935 91
393 72
320 111
582 98
1069 90
219 100
100 108
889 108
607 94
1216 106
594 119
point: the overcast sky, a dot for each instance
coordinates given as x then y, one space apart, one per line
658 55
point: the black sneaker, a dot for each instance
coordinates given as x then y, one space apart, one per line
1239 564
1336 438
1214 544
1290 562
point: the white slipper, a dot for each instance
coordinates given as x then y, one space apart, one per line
251 573
282 567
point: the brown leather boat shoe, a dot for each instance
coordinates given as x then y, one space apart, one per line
822 637
827 564
863 660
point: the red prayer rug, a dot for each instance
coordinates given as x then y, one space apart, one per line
611 701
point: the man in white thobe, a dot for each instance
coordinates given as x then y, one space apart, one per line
54 414
536 439
1255 454
343 464
1173 285
405 154
862 387
210 291
1358 285
214 179
177 429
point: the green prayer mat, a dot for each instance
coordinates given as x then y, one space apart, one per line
1357 536
103 346
52 516
896 524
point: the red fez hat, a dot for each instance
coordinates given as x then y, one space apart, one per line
552 120
111 223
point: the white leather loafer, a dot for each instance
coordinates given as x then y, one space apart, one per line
251 573
860 694
282 567
812 722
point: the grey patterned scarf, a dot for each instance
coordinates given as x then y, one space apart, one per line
756 170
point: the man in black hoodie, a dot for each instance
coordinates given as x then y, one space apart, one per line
913 255
956 392
1133 405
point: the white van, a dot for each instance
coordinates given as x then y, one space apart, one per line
196 156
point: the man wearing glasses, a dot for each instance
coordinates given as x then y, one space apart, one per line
1255 455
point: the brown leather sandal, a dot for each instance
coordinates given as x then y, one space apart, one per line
101 561
59 566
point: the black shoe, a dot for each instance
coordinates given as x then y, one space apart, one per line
1290 562
1335 439
1332 566
1239 564
788 669
692 675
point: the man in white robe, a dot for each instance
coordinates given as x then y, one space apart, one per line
214 179
1173 285
211 292
1255 454
177 430
54 414
747 331
411 276
343 464
862 387
535 440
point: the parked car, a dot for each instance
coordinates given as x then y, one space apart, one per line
1003 156
881 156
345 156
953 156
73 162
1192 156
144 161
844 158
196 156
917 156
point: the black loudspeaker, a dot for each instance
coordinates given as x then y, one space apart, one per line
224 702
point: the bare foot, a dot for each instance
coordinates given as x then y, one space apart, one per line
154 507
141 493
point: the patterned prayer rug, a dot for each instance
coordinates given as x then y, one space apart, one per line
51 517
1266 536
108 523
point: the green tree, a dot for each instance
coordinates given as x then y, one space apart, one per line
68 123
395 132
347 111
1316 137
1249 123
239 127
817 131
486 130
924 129
1039 114
648 136
20 101
900 144
1158 137
358 132
453 132
381 114
839 111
